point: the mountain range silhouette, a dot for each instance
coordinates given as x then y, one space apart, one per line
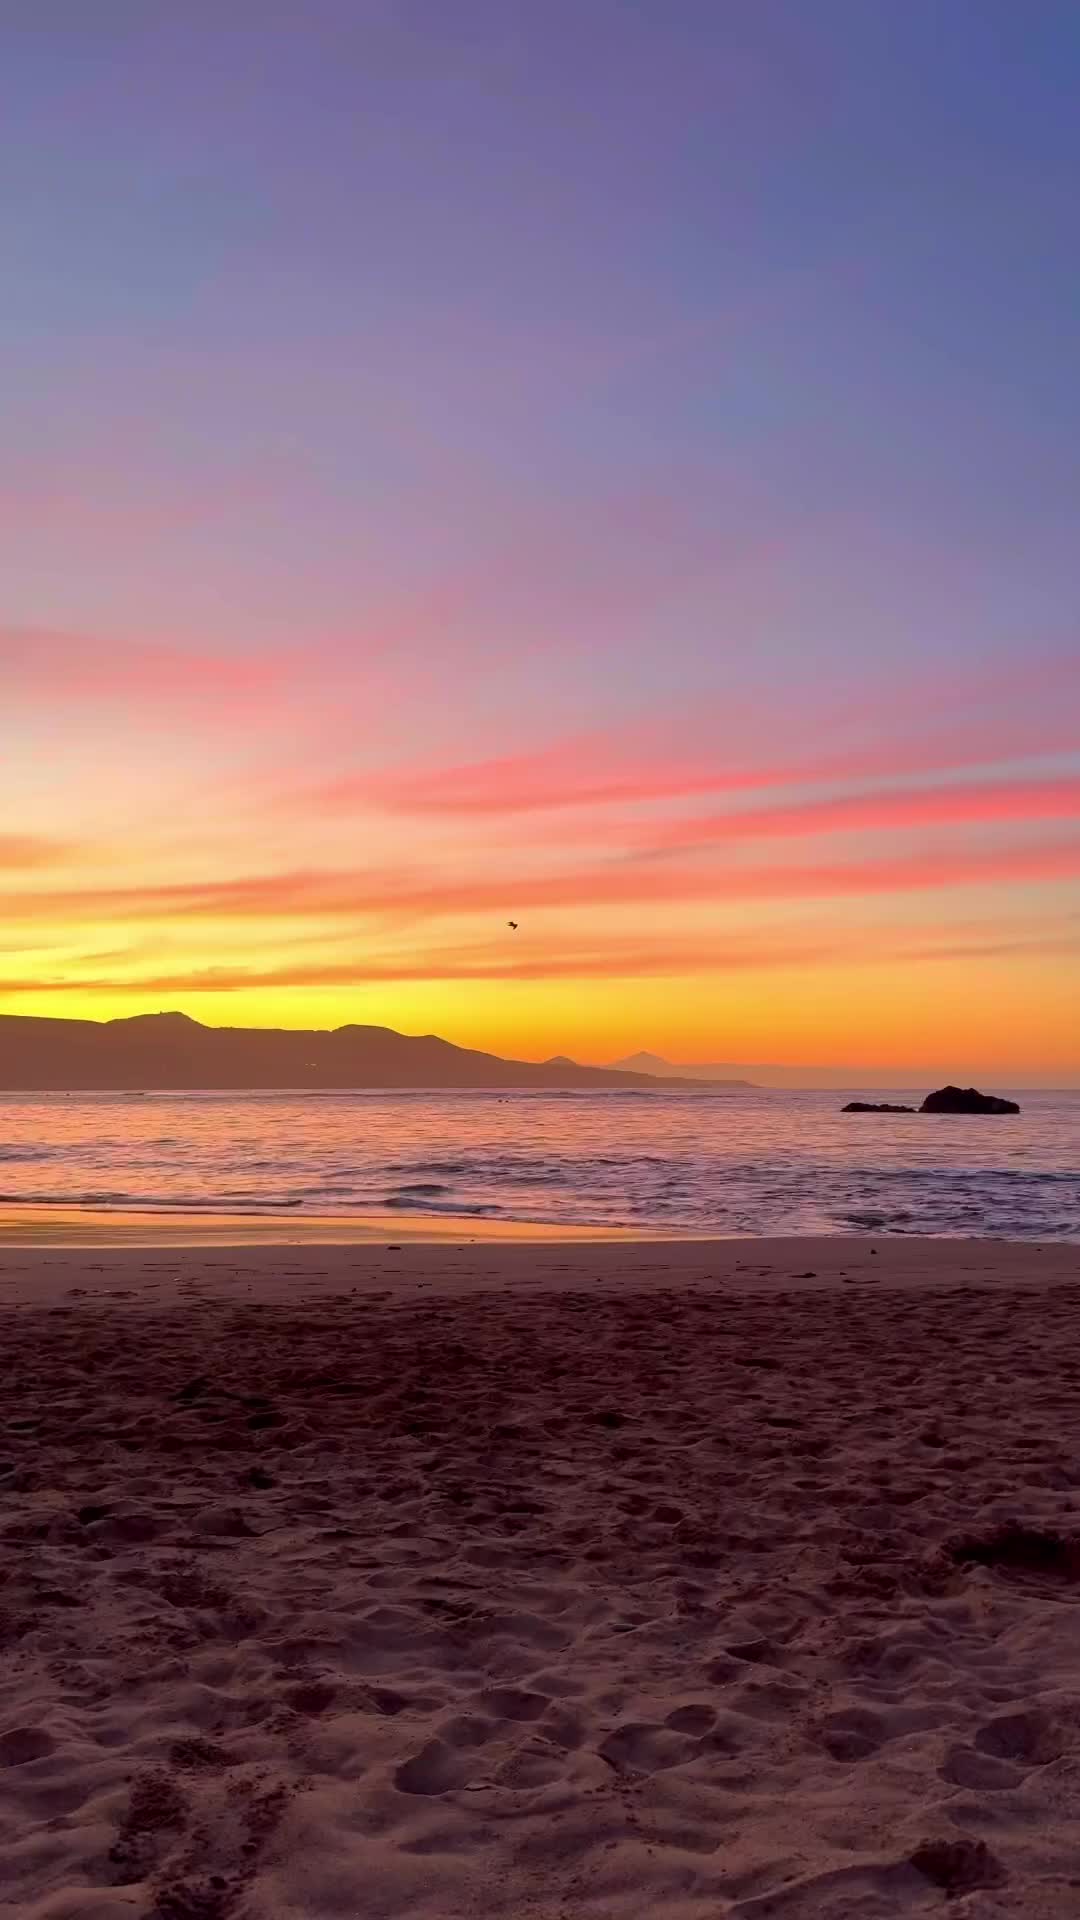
170 1050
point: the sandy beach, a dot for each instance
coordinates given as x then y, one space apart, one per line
702 1579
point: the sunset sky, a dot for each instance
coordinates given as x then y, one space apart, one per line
608 464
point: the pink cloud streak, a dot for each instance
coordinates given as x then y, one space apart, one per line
64 666
624 767
982 802
310 893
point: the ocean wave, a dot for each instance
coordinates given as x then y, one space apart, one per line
471 1209
447 1167
150 1203
750 1165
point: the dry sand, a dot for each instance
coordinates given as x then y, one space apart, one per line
604 1581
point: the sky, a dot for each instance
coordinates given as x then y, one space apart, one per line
612 465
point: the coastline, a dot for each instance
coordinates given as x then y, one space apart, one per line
449 1258
27 1225
533 1577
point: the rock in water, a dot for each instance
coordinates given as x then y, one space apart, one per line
966 1100
874 1106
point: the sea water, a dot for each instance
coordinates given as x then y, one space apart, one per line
734 1162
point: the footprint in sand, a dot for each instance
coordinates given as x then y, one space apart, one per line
852 1734
563 1728
695 1718
982 1772
514 1703
642 1747
437 1768
1031 1736
467 1730
20 1745
311 1697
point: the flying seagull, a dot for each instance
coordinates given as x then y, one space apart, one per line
512 924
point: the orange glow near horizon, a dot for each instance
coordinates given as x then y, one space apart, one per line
814 914
846 1018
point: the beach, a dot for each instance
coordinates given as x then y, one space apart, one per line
700 1578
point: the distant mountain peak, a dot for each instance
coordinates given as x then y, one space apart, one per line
654 1063
167 1017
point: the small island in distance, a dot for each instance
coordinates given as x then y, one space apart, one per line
945 1100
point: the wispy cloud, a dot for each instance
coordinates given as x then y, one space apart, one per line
977 802
647 762
1034 946
606 959
601 958
313 893
29 850
66 667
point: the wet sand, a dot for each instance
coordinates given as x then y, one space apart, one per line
33 1225
681 1579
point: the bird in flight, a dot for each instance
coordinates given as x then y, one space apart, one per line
513 925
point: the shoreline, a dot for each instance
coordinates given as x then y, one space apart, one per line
27 1225
48 1225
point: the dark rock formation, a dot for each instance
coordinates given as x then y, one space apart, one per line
966 1100
874 1106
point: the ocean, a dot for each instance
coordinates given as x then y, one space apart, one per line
741 1162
